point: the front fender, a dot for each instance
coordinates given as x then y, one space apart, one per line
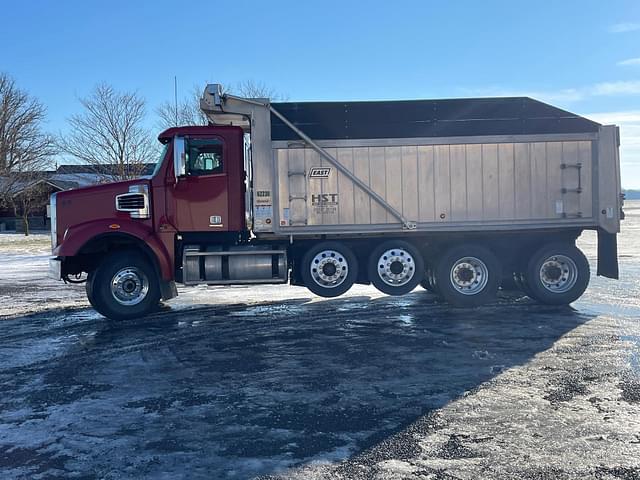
80 235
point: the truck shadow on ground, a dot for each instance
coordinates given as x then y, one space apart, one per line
243 390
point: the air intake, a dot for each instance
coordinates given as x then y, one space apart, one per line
136 202
131 201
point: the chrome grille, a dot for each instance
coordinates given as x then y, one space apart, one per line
136 202
131 201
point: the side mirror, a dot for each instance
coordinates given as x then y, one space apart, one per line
179 157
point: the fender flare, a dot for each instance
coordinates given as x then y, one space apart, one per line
78 236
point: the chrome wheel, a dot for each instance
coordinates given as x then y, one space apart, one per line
129 286
396 267
558 273
329 268
469 275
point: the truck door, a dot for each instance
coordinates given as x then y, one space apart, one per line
201 196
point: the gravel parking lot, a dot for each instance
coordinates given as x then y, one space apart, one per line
272 382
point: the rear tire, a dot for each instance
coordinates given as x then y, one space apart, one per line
329 269
396 267
557 274
468 275
124 286
521 283
429 280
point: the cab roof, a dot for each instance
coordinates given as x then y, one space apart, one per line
169 133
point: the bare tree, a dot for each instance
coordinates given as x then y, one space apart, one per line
25 150
23 144
30 193
109 134
188 109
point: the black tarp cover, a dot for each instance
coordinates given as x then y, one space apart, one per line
426 118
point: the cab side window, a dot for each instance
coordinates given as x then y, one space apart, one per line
204 157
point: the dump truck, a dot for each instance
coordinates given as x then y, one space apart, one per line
461 196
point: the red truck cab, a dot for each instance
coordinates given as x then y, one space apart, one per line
141 220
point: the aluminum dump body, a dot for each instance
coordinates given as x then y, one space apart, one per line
430 165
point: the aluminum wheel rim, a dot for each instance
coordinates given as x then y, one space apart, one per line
129 286
396 267
469 275
558 273
329 268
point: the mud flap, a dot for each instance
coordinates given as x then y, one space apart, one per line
168 290
607 254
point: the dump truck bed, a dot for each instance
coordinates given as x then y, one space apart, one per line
477 164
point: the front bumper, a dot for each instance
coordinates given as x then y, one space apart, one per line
55 269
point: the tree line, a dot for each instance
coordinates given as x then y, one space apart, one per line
108 133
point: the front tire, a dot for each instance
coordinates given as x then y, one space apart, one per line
329 269
124 286
89 288
557 274
468 275
396 267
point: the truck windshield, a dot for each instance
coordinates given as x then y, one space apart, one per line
160 158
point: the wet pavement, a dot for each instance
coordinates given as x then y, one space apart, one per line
285 385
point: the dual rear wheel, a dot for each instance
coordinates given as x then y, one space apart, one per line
470 275
330 269
395 267
466 275
556 274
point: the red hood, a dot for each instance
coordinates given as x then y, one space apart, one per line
97 202
104 187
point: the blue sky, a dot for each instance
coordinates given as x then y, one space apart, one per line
580 55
